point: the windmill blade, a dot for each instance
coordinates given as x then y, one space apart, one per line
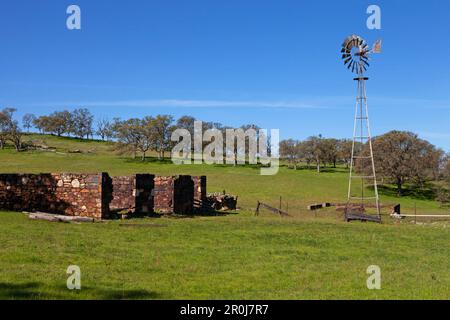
364 55
347 60
349 66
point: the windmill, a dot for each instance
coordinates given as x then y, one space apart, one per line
356 55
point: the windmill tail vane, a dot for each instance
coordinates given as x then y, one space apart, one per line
377 47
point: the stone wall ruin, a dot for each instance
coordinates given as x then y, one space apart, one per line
65 193
99 195
132 194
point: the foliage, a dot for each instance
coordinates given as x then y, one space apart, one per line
27 121
443 196
403 157
9 129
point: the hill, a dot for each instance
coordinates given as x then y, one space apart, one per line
235 256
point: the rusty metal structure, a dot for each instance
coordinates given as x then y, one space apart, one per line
356 55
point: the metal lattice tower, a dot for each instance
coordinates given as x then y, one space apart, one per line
355 53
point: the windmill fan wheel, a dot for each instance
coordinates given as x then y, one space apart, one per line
355 54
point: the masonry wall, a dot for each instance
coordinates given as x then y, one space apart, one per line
174 194
199 191
66 193
133 194
163 195
96 195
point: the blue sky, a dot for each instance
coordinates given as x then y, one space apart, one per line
273 63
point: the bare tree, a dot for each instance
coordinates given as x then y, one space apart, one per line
104 129
28 120
128 135
162 126
289 150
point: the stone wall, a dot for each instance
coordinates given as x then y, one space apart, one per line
163 195
174 194
199 191
133 194
68 194
98 195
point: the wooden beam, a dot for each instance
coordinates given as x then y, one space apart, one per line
424 215
58 218
272 209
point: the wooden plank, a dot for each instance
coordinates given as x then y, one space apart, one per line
317 206
58 218
361 217
425 215
271 209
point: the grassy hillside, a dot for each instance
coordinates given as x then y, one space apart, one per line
297 188
306 256
230 257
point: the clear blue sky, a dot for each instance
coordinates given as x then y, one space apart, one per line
273 63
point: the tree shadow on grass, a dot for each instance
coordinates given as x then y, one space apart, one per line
23 291
313 168
34 290
246 165
117 294
152 160
425 193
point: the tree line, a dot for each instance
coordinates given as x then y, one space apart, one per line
400 158
131 136
317 151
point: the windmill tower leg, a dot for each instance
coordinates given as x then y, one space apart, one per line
361 161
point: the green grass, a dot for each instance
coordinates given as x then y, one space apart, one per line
237 256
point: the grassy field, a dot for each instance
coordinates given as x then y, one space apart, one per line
236 256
